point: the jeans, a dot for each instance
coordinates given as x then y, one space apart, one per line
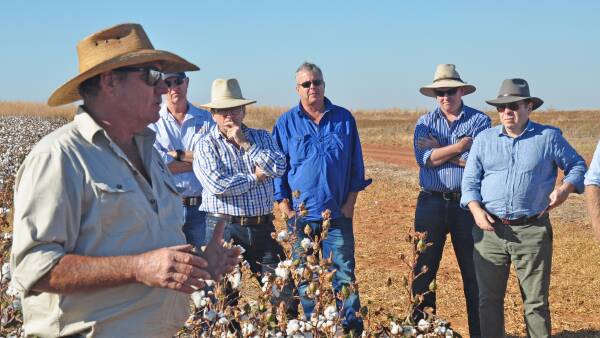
263 254
340 245
194 226
439 217
529 248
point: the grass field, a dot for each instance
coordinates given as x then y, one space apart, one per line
385 212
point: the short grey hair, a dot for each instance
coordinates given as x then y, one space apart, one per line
309 67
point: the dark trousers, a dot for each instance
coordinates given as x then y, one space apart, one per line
263 254
438 217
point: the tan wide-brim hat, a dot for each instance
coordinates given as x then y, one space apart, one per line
446 76
226 93
514 90
119 46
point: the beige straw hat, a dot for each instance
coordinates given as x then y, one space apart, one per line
115 47
446 76
226 93
514 90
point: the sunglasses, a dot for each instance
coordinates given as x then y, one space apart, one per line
176 82
448 92
315 83
151 75
512 106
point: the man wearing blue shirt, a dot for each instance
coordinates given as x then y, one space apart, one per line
321 143
592 191
441 142
179 128
509 186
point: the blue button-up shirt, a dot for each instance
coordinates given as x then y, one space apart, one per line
513 177
593 174
171 136
227 173
446 177
325 160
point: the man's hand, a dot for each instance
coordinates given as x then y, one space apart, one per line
483 220
260 174
174 267
220 259
427 142
465 143
348 207
235 134
557 197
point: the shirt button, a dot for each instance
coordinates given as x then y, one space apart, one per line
153 201
119 186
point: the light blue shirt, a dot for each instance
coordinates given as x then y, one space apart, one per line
227 173
172 136
513 177
592 177
446 177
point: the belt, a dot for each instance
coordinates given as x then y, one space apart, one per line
519 221
245 220
448 196
192 201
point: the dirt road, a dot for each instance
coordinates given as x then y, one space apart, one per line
394 154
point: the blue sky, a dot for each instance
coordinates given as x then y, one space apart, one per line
374 54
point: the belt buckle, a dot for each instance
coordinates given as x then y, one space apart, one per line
447 196
243 221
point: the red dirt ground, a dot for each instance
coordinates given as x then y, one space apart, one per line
393 154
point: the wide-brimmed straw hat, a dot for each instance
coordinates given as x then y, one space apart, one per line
115 47
226 93
514 90
446 76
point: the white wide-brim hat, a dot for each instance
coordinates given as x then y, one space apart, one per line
226 93
446 76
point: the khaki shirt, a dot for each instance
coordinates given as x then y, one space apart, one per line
77 193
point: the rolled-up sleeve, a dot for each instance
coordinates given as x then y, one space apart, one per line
421 154
592 177
471 180
47 214
569 161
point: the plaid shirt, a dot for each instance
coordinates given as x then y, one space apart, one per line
227 173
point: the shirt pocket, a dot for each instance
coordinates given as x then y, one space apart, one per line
170 207
119 207
301 149
335 142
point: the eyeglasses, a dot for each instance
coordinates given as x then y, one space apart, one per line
512 106
151 75
225 112
448 92
176 82
315 83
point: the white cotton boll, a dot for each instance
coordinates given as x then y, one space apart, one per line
265 279
282 236
409 331
292 327
12 291
423 325
331 312
209 282
449 333
7 236
223 321
5 273
282 272
285 264
235 279
395 328
197 298
306 244
16 304
247 329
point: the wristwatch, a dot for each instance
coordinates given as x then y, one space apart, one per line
179 156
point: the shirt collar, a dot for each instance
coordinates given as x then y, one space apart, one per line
439 112
192 112
529 127
300 110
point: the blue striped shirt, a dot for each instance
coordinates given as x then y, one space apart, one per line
227 173
513 177
170 135
446 177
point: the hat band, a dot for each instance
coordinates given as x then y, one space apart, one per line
448 78
509 94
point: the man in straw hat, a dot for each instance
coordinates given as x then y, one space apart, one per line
442 140
236 166
98 248
325 164
179 128
592 191
509 186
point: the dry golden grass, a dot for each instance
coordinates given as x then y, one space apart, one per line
20 108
